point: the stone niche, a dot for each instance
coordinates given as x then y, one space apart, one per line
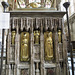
38 38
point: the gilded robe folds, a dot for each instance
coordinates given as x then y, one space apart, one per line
13 33
48 42
36 37
24 46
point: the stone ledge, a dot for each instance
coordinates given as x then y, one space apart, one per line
50 65
37 13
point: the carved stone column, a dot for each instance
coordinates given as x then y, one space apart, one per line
31 48
56 53
56 49
9 69
37 68
17 48
64 40
65 57
60 48
12 55
42 49
15 69
8 48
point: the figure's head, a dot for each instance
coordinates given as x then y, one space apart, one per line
24 35
50 34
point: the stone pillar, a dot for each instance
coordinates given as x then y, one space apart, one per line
65 55
7 70
31 48
37 68
18 71
12 55
8 48
17 49
15 69
56 48
57 54
60 46
42 49
64 40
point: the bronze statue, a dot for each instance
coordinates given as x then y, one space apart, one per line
13 33
36 37
48 41
24 46
59 36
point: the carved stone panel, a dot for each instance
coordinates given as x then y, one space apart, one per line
50 71
36 52
24 72
12 54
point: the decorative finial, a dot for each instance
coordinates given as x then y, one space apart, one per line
5 5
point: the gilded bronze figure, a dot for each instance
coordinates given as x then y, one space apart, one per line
48 42
36 37
24 46
13 33
59 36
